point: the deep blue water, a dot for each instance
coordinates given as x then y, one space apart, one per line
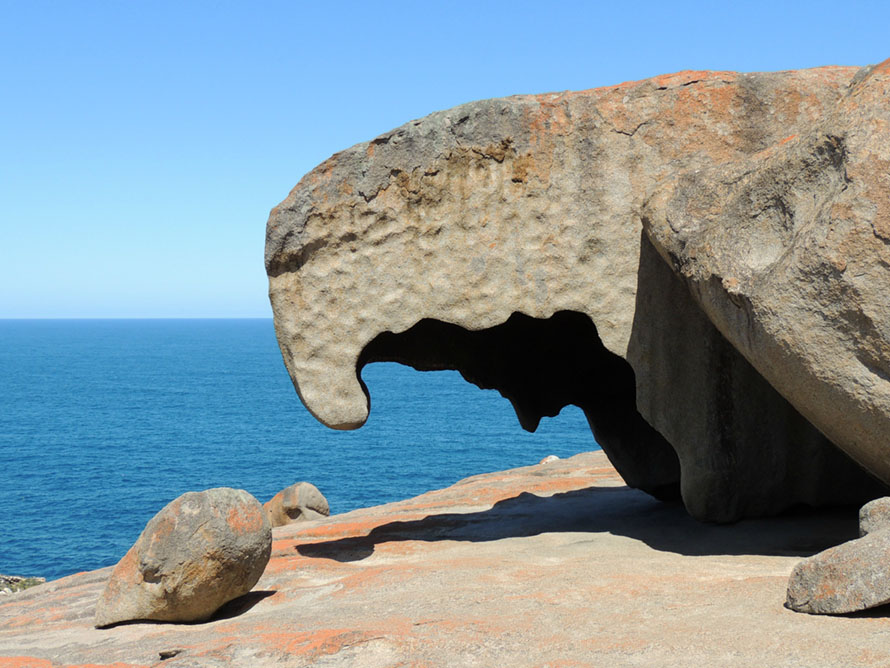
103 422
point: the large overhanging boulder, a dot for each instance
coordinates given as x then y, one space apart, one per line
504 238
788 252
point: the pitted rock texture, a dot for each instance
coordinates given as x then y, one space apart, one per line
298 503
849 577
200 551
788 252
557 564
419 245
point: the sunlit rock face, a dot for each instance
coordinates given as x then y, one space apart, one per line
505 238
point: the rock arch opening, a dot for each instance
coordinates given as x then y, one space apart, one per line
542 365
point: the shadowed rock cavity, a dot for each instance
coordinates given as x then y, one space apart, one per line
542 365
744 450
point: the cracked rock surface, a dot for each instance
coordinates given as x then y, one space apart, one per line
418 245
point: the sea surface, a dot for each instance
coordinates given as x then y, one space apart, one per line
103 422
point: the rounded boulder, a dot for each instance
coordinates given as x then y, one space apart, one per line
200 551
300 502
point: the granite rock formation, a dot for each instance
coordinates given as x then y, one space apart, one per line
200 551
298 503
788 252
505 238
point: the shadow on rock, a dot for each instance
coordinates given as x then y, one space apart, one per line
234 608
616 510
879 612
240 605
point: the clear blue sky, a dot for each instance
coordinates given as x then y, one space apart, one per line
142 144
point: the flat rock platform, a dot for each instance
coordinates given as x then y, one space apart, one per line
557 564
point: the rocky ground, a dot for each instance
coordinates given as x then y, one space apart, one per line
557 564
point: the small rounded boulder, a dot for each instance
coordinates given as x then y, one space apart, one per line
298 503
200 551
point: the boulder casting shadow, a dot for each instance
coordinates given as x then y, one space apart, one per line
234 608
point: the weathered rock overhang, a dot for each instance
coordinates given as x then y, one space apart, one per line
509 212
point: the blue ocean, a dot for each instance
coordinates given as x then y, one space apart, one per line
103 422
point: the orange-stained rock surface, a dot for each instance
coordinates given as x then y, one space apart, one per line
557 564
200 551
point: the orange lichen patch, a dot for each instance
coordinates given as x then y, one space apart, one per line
352 529
838 73
489 495
703 99
561 96
788 139
127 569
882 68
362 578
401 547
244 522
624 85
52 614
681 78
23 620
284 564
107 665
24 662
315 643
166 525
281 546
551 117
686 77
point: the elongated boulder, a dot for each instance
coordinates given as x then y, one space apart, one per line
504 238
200 551
850 577
300 502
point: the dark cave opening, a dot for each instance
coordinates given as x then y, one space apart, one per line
542 365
